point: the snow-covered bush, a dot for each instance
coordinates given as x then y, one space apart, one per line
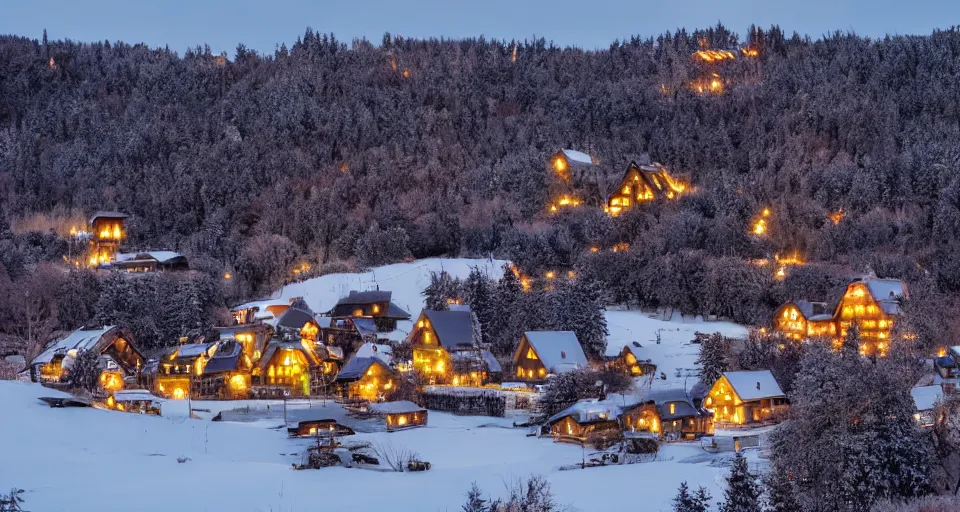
534 495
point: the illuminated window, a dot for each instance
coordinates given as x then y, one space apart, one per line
426 337
376 308
358 312
531 354
673 408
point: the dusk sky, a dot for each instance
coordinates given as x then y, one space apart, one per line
262 25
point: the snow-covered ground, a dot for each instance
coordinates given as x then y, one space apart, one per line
88 459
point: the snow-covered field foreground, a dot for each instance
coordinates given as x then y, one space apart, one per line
88 459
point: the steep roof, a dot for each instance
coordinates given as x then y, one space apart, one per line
225 359
193 349
454 328
295 317
588 411
158 256
382 352
754 385
926 397
81 339
357 367
662 399
369 297
365 326
577 157
558 350
312 357
493 366
107 215
887 292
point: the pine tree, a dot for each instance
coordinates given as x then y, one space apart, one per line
442 289
713 358
85 372
475 503
508 311
478 293
780 493
743 491
687 502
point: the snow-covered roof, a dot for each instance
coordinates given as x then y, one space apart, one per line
357 367
365 326
193 349
885 289
368 297
926 397
493 366
81 339
225 359
398 407
577 156
129 395
379 351
586 411
559 351
454 328
160 256
662 399
754 385
295 317
107 215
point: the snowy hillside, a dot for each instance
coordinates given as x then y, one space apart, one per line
88 459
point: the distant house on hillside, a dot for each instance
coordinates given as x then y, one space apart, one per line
150 261
925 399
571 164
107 232
370 304
669 414
873 305
120 359
641 183
547 352
740 398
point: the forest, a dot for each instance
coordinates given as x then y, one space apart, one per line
335 155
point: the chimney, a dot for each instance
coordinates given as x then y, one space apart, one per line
758 385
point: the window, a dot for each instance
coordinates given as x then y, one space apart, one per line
673 408
376 308
426 337
358 312
531 354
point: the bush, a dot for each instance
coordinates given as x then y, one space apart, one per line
603 439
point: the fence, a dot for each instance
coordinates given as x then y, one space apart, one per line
466 402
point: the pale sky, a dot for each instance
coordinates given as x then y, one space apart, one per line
262 25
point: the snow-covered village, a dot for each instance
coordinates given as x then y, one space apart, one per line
696 270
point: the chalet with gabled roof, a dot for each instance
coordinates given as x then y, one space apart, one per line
373 304
577 422
746 397
629 361
444 348
667 414
120 360
641 183
541 353
367 378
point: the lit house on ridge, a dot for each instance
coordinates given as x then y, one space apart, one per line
541 353
107 232
642 183
373 304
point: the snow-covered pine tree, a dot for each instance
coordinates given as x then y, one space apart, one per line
85 372
780 494
475 503
506 304
478 293
685 501
577 306
441 289
113 306
713 358
743 491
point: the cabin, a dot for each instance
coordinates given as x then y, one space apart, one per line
298 322
745 398
150 261
444 348
137 401
577 422
176 373
253 337
542 353
374 304
226 373
668 414
120 360
925 398
629 362
265 311
871 304
366 378
311 428
290 368
570 164
400 415
642 183
946 366
801 319
107 232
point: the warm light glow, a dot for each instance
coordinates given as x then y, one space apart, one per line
836 216
594 249
402 420
714 55
551 274
227 275
178 394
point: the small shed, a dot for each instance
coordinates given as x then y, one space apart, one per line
135 401
577 422
925 398
400 415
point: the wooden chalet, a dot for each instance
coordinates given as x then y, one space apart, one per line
226 373
629 362
293 368
801 319
120 360
138 401
570 164
400 415
641 183
445 350
107 232
542 353
743 398
254 337
298 321
264 311
176 373
577 422
326 427
150 261
374 304
366 378
668 414
873 305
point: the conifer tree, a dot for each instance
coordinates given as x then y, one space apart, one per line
475 503
713 358
780 493
685 501
743 491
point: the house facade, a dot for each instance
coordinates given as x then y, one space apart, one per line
749 397
642 183
541 353
445 348
120 361
577 422
629 362
374 304
667 414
